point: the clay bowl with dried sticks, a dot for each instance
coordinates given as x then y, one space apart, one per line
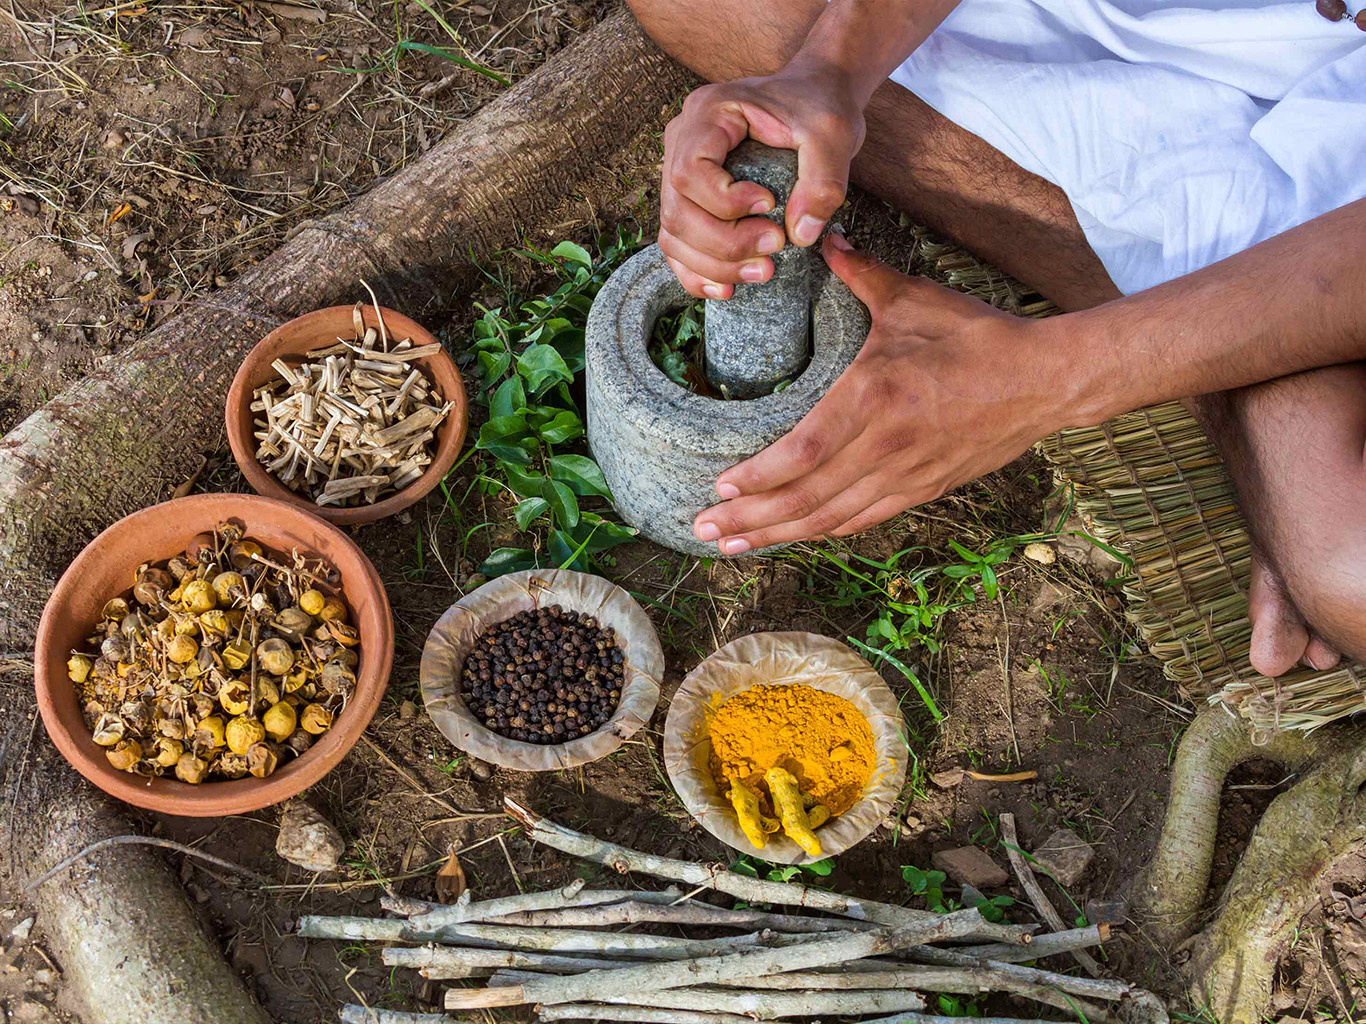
367 413
107 568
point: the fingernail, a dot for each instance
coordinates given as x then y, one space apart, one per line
840 242
707 531
734 546
762 206
770 242
808 229
752 272
714 291
728 491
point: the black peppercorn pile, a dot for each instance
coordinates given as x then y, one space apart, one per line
544 676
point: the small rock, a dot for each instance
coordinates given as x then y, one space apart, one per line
21 931
481 770
113 139
971 865
29 1011
948 778
1114 912
27 205
407 711
912 821
308 839
1065 856
1041 553
45 976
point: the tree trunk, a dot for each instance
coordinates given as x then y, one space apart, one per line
113 442
130 946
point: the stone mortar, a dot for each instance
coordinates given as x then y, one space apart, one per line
660 446
761 336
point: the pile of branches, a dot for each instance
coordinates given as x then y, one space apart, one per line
843 957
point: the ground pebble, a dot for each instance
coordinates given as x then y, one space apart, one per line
970 865
1065 856
544 676
308 839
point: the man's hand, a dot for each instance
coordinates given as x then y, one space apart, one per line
708 228
946 388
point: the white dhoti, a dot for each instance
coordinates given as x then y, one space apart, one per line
1181 134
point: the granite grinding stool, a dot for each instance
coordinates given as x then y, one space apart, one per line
660 446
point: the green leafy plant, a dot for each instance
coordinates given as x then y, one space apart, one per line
992 908
753 867
675 342
529 354
929 884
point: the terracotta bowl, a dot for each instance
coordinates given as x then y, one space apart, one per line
105 569
320 329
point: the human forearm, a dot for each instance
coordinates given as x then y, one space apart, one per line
1291 303
864 40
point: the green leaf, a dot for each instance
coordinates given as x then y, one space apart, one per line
914 878
964 553
492 365
573 253
506 560
564 553
543 368
442 52
502 437
581 474
821 867
527 510
564 504
989 582
566 426
509 399
958 572
600 533
524 484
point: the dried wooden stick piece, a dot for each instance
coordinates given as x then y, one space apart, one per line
1045 944
1030 884
409 907
924 977
934 1018
447 958
636 1014
774 1005
634 912
716 877
820 951
351 1013
460 913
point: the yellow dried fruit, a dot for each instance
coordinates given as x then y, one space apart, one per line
334 609
215 621
296 679
344 634
338 679
266 692
243 553
182 649
279 721
235 695
191 769
186 625
167 751
229 585
78 667
315 719
237 655
275 656
262 759
243 732
198 596
312 601
109 730
152 586
126 755
209 734
115 609
294 621
234 766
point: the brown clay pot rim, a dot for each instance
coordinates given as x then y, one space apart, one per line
215 799
449 439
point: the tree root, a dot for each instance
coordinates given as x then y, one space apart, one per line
1304 830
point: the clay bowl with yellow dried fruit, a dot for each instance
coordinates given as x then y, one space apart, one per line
789 747
432 374
162 631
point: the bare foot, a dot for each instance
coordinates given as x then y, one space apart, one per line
1280 637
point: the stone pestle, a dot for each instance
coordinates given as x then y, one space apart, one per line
761 336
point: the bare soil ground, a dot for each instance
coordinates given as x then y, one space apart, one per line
151 150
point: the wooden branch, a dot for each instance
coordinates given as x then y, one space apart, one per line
753 890
773 1005
822 951
351 1013
460 913
408 907
926 978
687 914
443 958
1045 944
636 1014
1011 840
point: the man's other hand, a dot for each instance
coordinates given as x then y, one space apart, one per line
946 388
709 230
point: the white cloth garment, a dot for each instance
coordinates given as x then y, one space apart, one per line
1181 133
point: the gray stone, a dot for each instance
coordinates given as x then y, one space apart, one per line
307 838
1114 912
761 336
1064 856
660 446
970 865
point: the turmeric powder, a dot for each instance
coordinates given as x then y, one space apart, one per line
820 738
